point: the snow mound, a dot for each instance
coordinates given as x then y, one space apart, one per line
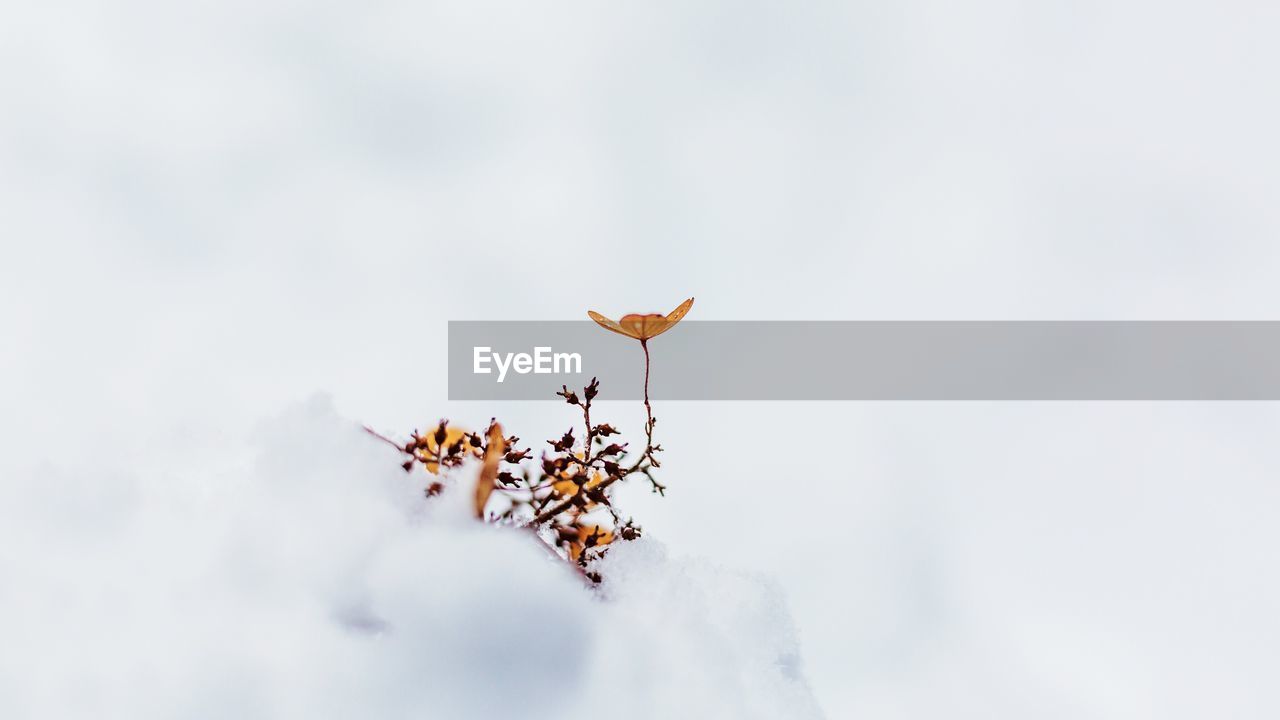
314 581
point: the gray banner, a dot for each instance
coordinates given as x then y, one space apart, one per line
980 360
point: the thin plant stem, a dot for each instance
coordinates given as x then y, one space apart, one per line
648 411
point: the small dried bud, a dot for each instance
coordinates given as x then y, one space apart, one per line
605 430
441 432
550 466
564 443
592 389
569 396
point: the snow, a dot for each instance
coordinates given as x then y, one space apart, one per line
316 581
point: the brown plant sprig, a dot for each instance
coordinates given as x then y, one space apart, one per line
565 497
644 328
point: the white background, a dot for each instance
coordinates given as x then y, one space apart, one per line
210 211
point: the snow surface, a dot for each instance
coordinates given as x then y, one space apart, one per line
316 581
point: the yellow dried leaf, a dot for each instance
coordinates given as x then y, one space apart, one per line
452 434
489 469
643 327
603 537
607 324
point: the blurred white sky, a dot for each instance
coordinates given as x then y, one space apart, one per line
211 210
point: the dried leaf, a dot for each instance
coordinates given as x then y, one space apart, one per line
565 486
607 324
593 535
452 435
489 470
643 327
